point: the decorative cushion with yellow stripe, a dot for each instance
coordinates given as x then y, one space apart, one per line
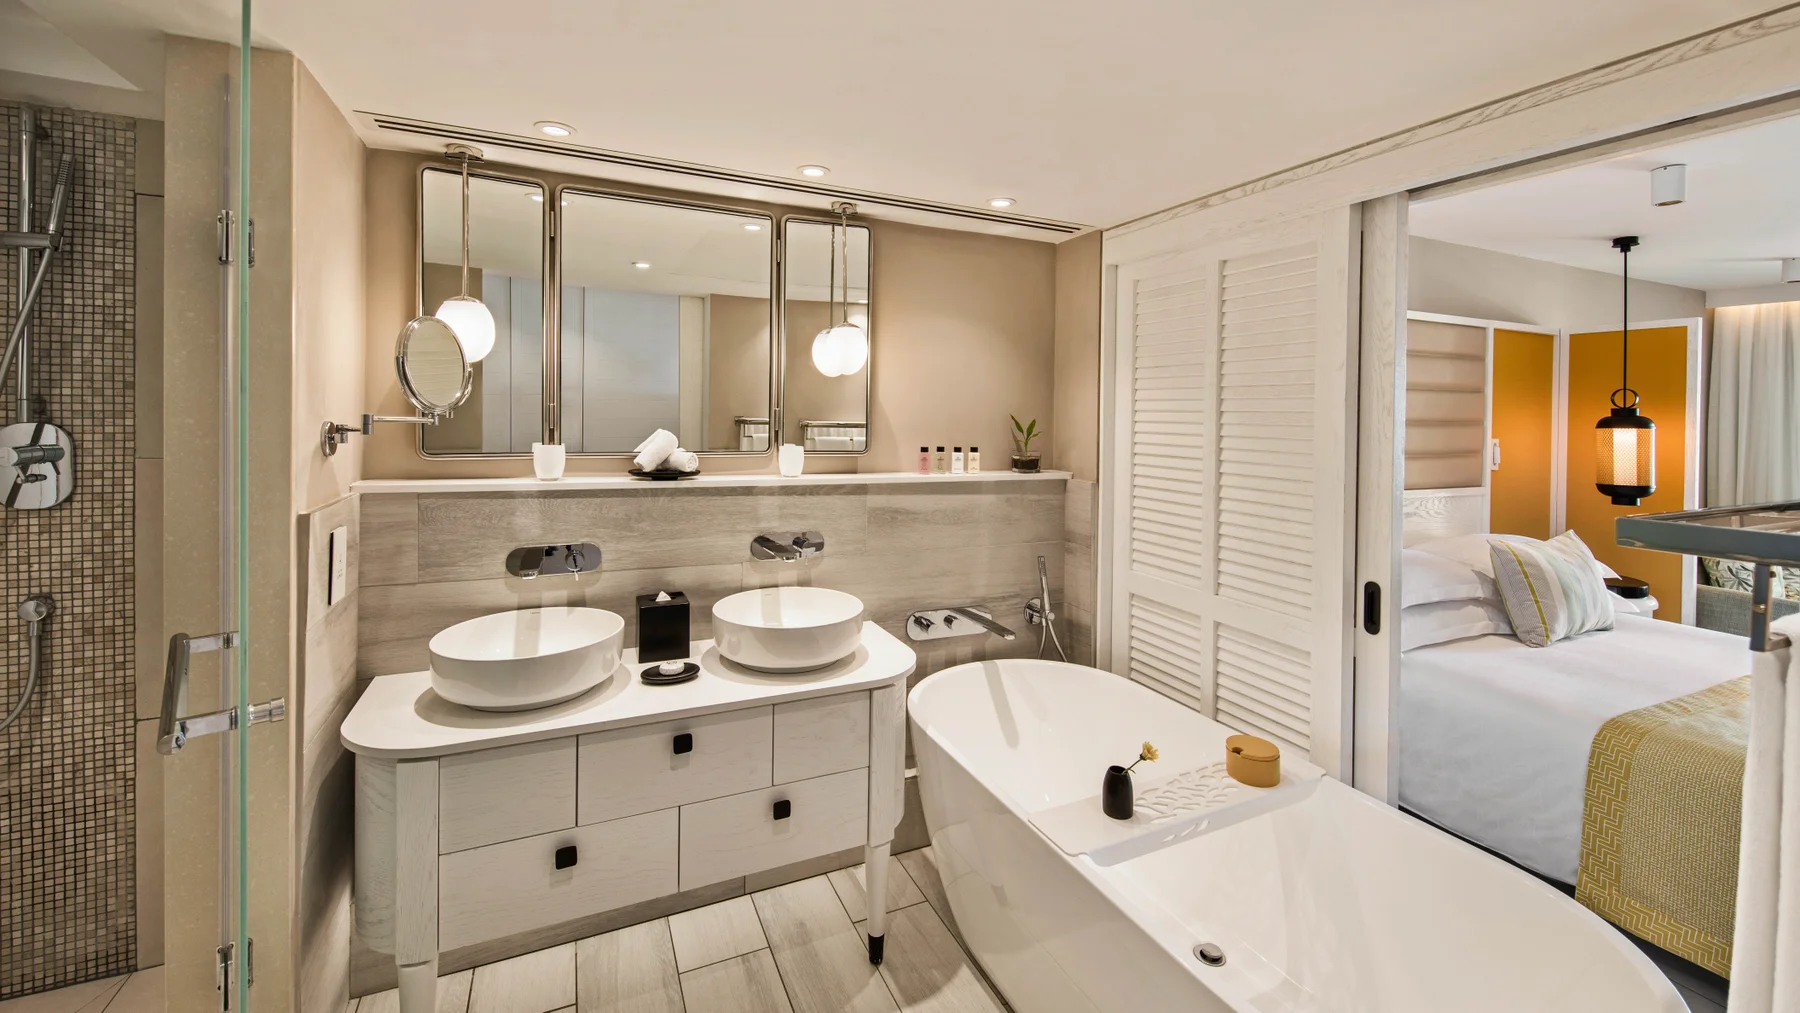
1551 590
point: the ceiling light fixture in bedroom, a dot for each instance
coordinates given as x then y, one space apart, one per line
1625 441
1668 185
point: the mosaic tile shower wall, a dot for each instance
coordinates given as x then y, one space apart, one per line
67 790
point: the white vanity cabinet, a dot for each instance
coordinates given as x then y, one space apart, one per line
473 826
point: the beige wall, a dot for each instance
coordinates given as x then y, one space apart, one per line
963 333
1470 282
1075 429
737 365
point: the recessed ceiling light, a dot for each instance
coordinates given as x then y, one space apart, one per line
554 129
815 171
752 227
642 265
1001 202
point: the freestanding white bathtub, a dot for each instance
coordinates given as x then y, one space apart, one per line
1329 902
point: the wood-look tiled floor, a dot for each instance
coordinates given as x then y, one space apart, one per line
797 948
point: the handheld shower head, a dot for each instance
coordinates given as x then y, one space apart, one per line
59 197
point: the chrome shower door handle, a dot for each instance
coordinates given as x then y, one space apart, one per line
173 730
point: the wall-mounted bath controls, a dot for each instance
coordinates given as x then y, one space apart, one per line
532 561
684 743
788 546
784 809
565 857
957 621
37 463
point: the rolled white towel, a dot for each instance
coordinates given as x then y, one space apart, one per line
656 449
683 461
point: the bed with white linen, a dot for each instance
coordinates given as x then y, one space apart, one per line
1495 735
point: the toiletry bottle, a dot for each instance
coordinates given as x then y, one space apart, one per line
974 461
924 460
940 462
956 461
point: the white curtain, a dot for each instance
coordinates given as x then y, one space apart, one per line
1753 410
1765 959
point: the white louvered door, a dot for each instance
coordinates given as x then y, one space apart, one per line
1232 480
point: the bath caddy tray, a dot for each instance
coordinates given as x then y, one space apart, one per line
1194 802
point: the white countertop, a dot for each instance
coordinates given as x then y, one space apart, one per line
400 717
716 481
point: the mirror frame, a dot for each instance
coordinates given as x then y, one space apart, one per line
777 284
868 368
546 230
401 343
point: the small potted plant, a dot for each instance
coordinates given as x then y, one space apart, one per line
1024 458
1115 792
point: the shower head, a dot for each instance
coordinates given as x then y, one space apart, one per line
59 197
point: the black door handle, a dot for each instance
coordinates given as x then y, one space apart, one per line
684 743
783 809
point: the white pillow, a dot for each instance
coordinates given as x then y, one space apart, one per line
1426 577
1437 622
1633 606
1472 550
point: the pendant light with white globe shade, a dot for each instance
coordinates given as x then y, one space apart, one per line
842 348
466 315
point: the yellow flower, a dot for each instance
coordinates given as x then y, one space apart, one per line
1149 753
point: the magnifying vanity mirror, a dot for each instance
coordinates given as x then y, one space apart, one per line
434 375
828 341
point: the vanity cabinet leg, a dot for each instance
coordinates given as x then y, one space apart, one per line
875 875
418 987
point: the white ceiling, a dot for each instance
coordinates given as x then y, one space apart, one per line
1741 217
1082 111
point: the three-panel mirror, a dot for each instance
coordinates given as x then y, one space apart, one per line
665 317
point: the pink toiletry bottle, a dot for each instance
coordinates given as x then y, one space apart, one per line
924 460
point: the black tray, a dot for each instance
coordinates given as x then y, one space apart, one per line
662 474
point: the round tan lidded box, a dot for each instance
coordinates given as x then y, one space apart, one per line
1253 761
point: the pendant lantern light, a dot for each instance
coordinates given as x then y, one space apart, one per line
842 348
467 317
1625 441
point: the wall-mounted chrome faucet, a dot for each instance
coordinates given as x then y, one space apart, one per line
788 546
958 621
529 561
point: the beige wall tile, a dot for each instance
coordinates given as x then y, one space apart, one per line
149 318
149 846
397 622
152 640
390 538
906 518
1075 428
150 157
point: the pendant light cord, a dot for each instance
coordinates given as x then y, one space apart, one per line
465 224
1625 320
831 282
844 224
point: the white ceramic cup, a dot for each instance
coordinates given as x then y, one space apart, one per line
791 458
548 459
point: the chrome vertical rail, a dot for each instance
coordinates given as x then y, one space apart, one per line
27 192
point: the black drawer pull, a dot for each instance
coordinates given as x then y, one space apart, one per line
684 743
565 857
784 809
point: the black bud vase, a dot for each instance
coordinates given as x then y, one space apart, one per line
1115 793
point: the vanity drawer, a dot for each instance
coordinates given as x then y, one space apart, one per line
504 889
821 736
728 837
504 794
660 766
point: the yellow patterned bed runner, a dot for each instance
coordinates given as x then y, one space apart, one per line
1660 828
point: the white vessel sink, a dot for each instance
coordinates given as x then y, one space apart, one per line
787 629
530 658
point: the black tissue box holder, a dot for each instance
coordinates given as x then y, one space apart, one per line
662 627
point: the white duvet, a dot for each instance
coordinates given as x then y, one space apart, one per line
1494 735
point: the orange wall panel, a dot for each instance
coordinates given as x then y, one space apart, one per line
1659 374
1524 415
